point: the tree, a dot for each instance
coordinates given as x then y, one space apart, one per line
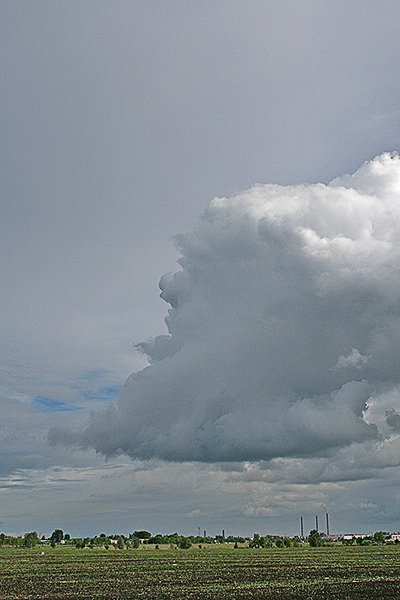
379 537
185 544
296 542
287 542
30 539
314 539
268 542
142 535
120 542
57 535
257 541
135 542
156 539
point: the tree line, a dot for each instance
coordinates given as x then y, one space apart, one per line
174 540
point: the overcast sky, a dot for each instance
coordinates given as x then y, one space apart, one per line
136 134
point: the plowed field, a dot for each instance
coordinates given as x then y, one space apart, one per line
364 573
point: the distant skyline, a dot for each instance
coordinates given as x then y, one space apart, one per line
136 134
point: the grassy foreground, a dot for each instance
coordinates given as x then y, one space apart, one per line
338 573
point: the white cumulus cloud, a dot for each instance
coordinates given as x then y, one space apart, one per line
283 330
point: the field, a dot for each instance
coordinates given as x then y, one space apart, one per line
336 573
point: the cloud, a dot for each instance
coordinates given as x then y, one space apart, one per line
283 330
354 359
23 437
393 419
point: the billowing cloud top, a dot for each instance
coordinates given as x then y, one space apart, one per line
283 329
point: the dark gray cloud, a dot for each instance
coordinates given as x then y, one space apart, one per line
393 419
283 329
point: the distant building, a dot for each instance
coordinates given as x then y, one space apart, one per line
392 537
352 536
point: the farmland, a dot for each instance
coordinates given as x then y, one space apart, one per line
219 572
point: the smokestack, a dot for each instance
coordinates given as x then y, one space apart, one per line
205 533
316 522
327 523
223 533
301 527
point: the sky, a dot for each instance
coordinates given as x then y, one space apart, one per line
199 322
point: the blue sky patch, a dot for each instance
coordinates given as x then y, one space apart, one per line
42 404
110 392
